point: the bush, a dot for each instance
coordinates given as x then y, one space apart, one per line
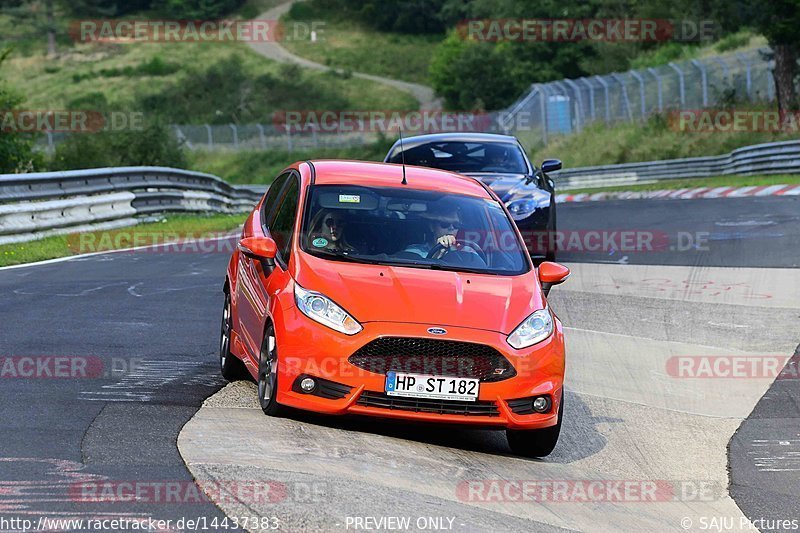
474 75
153 67
226 92
16 149
105 8
402 16
155 145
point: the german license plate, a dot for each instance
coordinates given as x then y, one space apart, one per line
433 387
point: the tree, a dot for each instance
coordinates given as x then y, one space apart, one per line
51 28
779 21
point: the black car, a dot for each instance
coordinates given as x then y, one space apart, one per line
500 162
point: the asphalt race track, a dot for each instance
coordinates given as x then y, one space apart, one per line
146 326
146 321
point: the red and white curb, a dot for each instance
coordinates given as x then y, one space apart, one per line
684 194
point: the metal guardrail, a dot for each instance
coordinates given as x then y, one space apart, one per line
47 203
39 204
759 159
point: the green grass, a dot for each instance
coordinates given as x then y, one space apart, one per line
182 226
261 167
598 144
716 181
346 45
77 75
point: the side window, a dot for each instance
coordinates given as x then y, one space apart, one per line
282 227
273 195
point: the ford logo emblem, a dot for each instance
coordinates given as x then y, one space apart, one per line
437 331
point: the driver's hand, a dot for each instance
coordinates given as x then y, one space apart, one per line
448 241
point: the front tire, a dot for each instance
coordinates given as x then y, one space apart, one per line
536 442
231 366
268 375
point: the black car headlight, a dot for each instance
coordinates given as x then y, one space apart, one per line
524 208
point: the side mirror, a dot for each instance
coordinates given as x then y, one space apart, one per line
262 248
551 165
552 274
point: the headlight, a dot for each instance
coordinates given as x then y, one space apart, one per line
321 309
533 329
520 209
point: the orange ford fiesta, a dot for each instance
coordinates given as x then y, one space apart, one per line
374 289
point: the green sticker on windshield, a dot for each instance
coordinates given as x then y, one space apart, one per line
320 242
350 198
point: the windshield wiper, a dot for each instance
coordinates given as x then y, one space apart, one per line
343 256
455 268
437 266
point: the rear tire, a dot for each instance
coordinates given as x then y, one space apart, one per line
268 375
536 442
231 366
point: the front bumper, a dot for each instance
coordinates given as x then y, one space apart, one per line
310 349
537 233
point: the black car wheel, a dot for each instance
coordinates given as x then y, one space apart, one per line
268 375
536 442
231 366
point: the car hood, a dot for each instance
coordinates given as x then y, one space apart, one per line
513 187
422 296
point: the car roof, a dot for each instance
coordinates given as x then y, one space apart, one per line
417 140
372 174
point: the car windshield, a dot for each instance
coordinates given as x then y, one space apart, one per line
465 157
407 227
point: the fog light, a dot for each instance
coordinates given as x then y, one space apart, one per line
308 384
541 404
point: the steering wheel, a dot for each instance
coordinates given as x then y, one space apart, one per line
438 249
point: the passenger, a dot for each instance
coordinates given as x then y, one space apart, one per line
328 233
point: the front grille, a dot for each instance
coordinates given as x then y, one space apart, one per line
433 357
424 405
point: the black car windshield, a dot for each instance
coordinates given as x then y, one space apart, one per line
415 228
461 156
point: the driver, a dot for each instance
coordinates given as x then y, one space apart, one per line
328 232
444 222
496 157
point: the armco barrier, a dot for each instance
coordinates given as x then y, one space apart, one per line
39 204
760 159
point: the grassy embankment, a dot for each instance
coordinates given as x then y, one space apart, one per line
170 228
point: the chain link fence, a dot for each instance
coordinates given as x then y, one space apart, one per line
566 106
